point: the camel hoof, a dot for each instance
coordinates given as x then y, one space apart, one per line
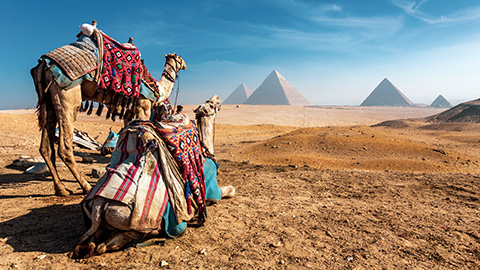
82 251
102 248
64 192
227 192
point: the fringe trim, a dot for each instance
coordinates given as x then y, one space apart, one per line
90 109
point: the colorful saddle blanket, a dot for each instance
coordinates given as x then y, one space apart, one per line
76 59
121 68
184 143
143 175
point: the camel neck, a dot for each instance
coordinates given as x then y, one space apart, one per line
205 126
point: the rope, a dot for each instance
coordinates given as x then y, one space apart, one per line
214 119
178 90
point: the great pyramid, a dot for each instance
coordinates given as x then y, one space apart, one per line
239 95
441 102
386 94
275 90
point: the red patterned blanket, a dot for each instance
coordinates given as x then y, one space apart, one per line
184 144
121 68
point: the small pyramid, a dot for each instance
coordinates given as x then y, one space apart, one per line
276 90
386 94
441 102
239 95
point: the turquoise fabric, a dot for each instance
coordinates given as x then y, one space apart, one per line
147 92
172 228
210 172
111 140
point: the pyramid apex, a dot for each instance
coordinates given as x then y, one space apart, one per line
441 102
239 95
274 72
276 90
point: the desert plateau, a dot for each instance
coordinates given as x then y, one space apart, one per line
317 187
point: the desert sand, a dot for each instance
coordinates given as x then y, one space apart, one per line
317 188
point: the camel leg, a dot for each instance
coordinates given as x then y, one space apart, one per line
227 192
47 150
117 241
66 102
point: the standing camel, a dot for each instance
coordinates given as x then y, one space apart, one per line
60 106
111 220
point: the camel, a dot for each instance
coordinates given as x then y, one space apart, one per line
111 220
205 116
60 106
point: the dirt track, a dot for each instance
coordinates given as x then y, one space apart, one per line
317 188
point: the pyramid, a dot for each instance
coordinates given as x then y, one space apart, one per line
386 94
239 95
275 90
441 102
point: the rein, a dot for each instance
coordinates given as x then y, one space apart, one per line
178 91
169 77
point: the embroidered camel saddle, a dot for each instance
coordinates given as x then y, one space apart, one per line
115 66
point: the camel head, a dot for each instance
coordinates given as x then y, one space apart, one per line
209 108
175 61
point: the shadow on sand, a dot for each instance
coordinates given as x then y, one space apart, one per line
52 229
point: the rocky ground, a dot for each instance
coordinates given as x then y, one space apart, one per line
317 188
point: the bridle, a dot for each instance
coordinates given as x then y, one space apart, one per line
175 68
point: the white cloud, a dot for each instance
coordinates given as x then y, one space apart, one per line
386 23
455 17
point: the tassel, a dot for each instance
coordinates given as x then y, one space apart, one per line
90 109
109 112
96 94
114 108
84 106
100 109
114 114
124 101
128 115
104 96
101 105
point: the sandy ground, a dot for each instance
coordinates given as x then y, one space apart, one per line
317 188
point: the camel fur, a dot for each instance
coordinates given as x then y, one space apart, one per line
57 106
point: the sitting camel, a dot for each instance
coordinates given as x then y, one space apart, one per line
117 222
57 105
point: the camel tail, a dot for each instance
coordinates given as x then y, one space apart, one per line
37 75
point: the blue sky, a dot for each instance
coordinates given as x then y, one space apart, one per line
333 52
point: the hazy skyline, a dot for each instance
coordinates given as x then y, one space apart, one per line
333 52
